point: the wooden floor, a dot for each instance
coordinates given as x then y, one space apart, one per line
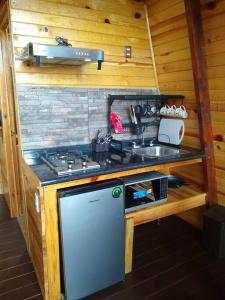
17 277
169 263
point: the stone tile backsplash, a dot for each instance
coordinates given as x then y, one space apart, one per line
51 116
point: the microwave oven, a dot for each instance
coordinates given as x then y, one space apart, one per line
143 190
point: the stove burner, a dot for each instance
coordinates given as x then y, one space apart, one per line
71 161
84 164
61 156
63 163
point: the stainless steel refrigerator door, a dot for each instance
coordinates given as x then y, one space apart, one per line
92 238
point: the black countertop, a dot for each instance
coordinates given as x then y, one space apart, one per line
111 162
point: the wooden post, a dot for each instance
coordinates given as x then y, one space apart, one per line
129 245
199 66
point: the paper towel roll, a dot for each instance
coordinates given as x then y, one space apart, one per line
171 131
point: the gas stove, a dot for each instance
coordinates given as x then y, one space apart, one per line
65 163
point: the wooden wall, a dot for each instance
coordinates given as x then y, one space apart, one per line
97 24
172 54
214 30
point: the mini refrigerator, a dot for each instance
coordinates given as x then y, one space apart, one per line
91 220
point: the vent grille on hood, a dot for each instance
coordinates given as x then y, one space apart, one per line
48 54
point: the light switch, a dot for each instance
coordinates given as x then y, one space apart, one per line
127 52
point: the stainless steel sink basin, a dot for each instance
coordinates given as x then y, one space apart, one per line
157 151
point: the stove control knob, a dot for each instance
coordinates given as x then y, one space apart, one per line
84 164
108 161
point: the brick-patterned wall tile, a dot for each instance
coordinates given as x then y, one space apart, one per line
68 116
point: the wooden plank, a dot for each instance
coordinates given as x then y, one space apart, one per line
177 203
71 23
169 26
129 244
126 8
177 86
173 56
51 245
170 12
82 80
184 76
216 59
194 21
75 35
180 44
160 6
61 9
215 34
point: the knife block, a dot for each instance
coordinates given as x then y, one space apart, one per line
100 147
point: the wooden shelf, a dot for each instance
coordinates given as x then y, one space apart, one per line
179 200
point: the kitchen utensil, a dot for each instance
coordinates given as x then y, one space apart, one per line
149 111
98 135
153 109
171 131
133 111
131 114
139 112
116 121
145 110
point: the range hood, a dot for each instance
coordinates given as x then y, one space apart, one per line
48 54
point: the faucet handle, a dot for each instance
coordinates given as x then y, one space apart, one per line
135 146
152 141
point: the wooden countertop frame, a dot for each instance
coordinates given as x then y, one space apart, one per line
121 174
187 198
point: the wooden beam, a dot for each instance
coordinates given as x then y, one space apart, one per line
196 38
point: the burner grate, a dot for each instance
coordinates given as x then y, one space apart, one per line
65 163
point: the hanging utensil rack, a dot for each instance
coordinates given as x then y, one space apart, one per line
160 98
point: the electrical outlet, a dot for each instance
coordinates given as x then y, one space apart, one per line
127 52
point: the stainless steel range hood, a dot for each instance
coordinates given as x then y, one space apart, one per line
48 54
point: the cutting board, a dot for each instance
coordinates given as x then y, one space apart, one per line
171 131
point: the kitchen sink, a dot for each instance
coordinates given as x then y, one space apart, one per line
157 151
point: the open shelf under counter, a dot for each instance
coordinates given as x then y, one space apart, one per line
179 200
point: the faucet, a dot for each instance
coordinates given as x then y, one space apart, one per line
135 146
152 142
